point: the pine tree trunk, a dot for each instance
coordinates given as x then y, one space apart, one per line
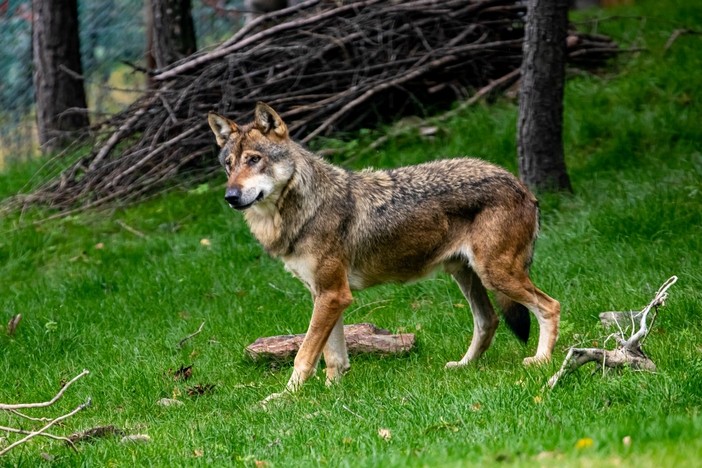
540 127
58 83
171 32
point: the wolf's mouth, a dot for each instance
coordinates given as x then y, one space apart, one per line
259 197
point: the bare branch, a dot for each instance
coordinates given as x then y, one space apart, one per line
658 301
41 431
676 34
17 406
183 341
22 431
628 352
127 227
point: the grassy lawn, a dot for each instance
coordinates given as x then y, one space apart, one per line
96 296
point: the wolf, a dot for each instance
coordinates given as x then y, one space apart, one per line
340 231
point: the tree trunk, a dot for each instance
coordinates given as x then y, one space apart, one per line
540 127
58 83
171 32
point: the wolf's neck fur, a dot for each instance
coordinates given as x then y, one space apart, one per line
277 221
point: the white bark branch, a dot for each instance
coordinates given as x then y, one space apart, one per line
13 408
8 407
628 351
41 431
184 340
22 431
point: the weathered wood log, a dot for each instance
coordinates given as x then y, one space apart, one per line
360 338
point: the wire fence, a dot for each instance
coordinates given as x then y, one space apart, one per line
112 34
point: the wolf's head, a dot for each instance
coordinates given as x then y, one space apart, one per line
255 156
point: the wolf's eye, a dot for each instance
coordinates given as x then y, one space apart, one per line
254 160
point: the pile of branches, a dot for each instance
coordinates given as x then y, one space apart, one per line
325 66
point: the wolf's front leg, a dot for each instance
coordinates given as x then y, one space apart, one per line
336 357
333 297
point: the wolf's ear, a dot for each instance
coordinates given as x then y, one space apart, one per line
222 127
266 120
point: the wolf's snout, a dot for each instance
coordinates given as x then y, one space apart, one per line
233 196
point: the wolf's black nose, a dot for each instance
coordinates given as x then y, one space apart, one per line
233 196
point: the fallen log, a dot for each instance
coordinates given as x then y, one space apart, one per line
360 338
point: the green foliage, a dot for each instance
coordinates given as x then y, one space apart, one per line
96 295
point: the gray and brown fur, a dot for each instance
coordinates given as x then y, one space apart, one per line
338 231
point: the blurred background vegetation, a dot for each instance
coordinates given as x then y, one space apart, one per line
112 32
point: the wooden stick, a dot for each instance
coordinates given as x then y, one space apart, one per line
22 431
6 407
182 342
41 431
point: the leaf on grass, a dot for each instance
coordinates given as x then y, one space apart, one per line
443 426
274 443
13 323
183 373
205 242
197 453
200 389
385 434
169 402
95 433
136 438
545 455
100 245
261 463
584 443
475 407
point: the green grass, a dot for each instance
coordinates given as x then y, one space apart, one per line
633 142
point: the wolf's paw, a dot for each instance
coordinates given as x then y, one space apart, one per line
536 360
334 374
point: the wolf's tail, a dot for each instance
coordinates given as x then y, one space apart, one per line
516 316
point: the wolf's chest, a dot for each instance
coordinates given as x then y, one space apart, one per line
303 267
265 224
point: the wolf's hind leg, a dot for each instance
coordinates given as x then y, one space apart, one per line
484 318
547 310
336 357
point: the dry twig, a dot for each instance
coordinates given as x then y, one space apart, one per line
184 340
676 34
628 351
13 408
18 406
